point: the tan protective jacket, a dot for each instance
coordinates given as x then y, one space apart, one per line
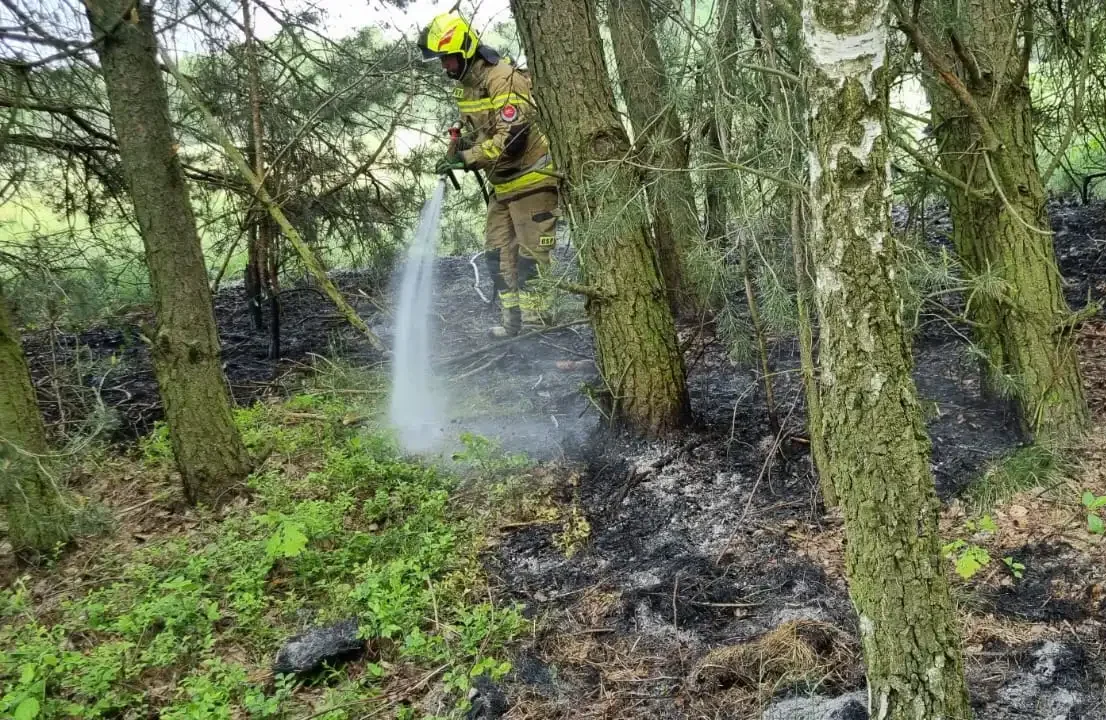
498 114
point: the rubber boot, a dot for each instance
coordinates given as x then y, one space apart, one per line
535 308
533 301
511 316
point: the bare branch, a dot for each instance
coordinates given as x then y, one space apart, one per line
1076 110
967 57
363 167
1028 38
928 166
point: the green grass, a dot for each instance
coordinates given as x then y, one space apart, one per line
338 524
1023 469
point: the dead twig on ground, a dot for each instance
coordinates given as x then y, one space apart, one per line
396 698
638 474
497 345
479 368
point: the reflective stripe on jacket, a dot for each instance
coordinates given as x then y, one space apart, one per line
499 116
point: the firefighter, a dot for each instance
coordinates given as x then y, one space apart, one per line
500 137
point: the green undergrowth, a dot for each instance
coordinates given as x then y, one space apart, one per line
337 524
1023 469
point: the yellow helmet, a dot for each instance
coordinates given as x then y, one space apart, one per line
447 34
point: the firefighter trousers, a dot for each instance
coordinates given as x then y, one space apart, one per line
518 239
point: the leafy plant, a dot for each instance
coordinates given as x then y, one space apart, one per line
339 525
574 533
969 558
487 456
1016 568
1092 503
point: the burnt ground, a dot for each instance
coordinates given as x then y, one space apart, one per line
701 579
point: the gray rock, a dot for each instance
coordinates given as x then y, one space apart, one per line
846 707
307 651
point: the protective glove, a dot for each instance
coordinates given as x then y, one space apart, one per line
452 161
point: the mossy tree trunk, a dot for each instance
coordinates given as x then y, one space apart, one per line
635 334
876 443
37 517
653 116
185 347
983 121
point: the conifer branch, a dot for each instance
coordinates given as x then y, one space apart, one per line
286 227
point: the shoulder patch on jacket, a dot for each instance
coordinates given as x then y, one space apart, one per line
509 113
458 93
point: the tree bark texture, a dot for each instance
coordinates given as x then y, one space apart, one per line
1002 233
876 443
185 347
37 517
635 334
644 81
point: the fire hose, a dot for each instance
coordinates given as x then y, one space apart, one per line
454 141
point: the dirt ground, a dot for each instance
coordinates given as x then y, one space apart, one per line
707 581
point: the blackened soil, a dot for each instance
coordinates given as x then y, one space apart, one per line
113 360
691 546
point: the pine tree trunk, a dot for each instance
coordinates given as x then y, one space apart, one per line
635 335
657 131
804 291
185 347
37 518
265 236
715 200
1018 307
715 203
253 273
876 442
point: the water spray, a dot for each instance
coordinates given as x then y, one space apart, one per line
417 405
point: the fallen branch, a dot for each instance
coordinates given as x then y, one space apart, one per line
479 368
639 474
497 345
308 257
